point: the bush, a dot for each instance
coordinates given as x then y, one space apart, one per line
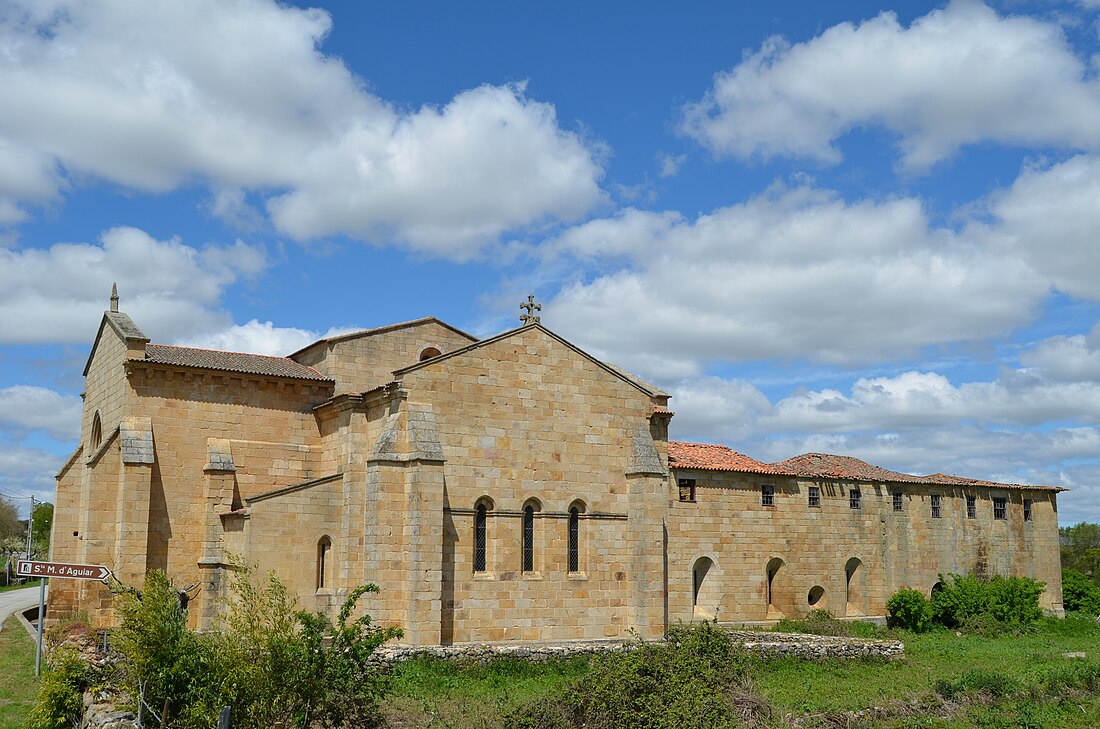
60 700
273 666
697 679
1080 593
1007 599
910 610
1015 599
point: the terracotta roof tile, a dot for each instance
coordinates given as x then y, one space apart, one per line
942 478
213 359
708 457
824 465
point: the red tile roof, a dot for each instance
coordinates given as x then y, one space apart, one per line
942 478
213 359
708 457
824 465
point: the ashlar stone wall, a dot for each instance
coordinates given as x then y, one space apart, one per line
528 420
733 558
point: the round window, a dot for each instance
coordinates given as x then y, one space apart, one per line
817 594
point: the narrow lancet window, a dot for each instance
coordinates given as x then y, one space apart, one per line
574 539
528 538
323 548
480 518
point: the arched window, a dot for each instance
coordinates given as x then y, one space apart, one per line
529 538
428 353
97 431
324 546
574 539
480 536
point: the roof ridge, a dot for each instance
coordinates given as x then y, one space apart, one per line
226 351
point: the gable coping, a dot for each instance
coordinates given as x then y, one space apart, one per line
633 382
383 330
123 326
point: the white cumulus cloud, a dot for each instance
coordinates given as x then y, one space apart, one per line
238 95
58 294
956 76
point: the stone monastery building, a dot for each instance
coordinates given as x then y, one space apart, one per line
513 488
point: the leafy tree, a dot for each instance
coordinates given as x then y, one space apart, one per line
1081 549
43 525
10 525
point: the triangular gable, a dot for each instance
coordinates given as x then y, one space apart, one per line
633 382
383 330
122 326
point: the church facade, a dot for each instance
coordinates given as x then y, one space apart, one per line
513 488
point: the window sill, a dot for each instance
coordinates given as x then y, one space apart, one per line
535 576
324 591
484 576
577 576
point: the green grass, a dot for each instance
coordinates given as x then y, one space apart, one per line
29 583
433 693
430 692
833 685
17 682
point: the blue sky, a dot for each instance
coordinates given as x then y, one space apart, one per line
856 228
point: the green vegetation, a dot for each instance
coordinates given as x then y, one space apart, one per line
1081 549
272 665
17 684
822 622
910 610
28 583
1080 593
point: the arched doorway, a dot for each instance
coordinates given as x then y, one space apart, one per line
772 570
854 578
704 591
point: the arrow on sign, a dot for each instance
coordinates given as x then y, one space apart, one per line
29 568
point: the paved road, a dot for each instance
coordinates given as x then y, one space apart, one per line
15 600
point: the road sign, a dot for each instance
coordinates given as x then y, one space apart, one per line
27 568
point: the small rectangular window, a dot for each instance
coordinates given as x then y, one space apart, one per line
767 495
1000 509
897 501
971 506
935 506
815 497
687 489
855 499
1027 509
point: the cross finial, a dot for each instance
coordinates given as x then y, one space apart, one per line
528 317
114 297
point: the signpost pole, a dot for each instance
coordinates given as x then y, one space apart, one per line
41 625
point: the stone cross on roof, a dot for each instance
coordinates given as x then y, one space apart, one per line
528 317
114 297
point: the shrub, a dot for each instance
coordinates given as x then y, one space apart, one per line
1015 599
60 700
957 599
273 666
910 610
1007 599
697 679
1080 593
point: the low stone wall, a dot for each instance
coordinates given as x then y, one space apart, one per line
816 646
762 643
813 647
